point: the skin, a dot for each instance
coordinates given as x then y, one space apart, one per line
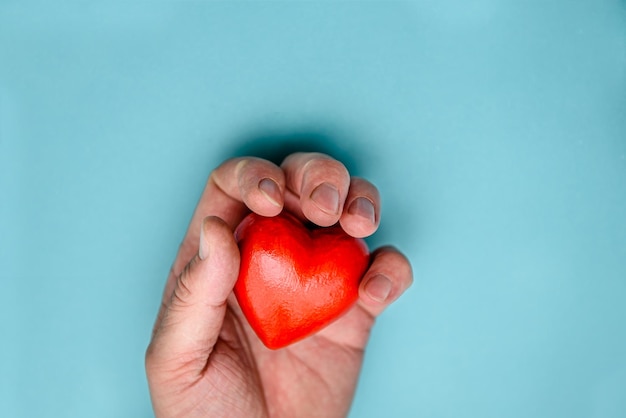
204 360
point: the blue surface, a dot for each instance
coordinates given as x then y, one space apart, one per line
495 130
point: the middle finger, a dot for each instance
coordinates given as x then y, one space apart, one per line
317 186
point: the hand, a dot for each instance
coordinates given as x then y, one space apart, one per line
204 360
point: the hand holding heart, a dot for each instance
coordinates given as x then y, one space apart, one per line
206 360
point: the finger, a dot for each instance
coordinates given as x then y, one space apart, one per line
235 187
317 186
389 275
361 213
258 183
194 315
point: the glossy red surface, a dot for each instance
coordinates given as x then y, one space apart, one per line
295 280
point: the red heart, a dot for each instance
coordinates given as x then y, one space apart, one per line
295 280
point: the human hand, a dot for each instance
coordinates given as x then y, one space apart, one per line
204 360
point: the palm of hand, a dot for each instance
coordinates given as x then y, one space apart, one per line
308 378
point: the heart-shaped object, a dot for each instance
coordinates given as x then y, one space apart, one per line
294 280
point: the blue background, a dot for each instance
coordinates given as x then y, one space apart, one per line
495 130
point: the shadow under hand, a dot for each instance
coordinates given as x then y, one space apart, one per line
275 146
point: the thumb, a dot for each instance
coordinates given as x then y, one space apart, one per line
194 315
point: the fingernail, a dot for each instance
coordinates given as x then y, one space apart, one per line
270 190
364 208
326 197
378 288
203 250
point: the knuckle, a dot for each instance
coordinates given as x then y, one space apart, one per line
182 295
361 186
241 164
322 163
149 357
250 170
333 166
397 264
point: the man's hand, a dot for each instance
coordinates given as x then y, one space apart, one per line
204 360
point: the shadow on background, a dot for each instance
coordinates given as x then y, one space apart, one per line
275 146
